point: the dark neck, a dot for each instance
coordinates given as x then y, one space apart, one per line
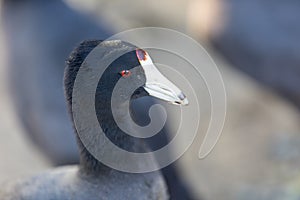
88 163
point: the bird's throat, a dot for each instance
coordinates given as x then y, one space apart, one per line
111 129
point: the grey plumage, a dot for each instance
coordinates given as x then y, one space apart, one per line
67 183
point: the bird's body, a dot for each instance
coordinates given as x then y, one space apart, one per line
69 183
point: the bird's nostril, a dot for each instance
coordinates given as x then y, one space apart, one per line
181 96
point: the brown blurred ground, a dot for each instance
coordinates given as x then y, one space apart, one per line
18 155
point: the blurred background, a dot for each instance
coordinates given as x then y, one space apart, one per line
254 43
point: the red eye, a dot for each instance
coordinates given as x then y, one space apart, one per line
125 73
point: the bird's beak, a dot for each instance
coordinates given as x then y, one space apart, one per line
165 93
157 85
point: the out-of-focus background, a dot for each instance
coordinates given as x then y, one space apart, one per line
254 43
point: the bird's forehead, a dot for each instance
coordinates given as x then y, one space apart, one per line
141 54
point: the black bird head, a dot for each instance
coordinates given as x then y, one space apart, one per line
139 69
131 75
135 69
